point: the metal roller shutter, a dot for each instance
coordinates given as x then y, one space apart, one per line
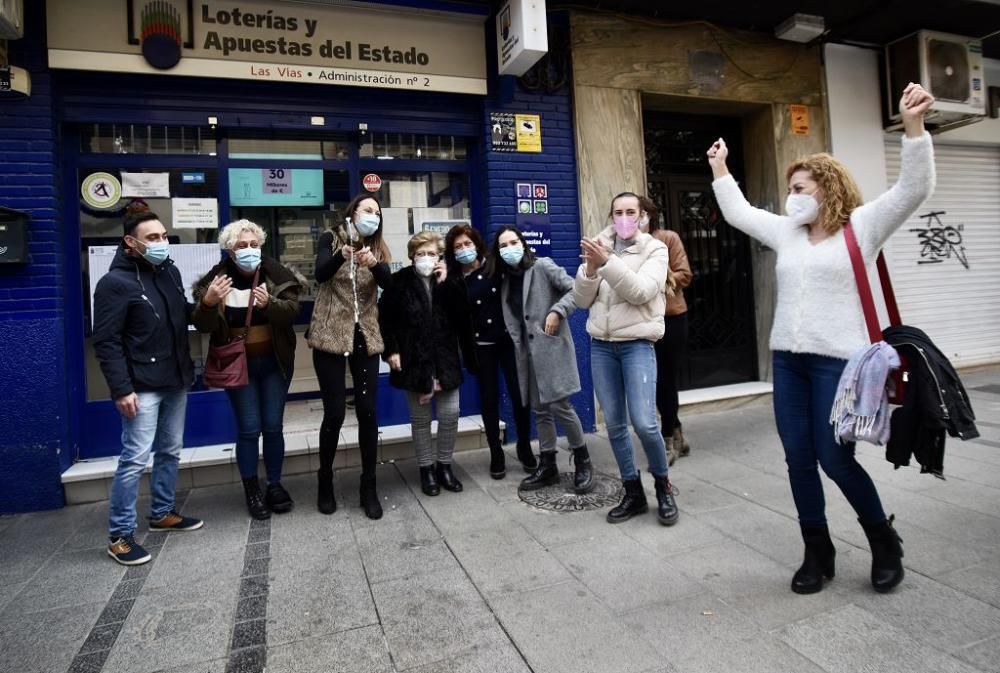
946 267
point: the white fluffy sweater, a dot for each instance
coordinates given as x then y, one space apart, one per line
819 309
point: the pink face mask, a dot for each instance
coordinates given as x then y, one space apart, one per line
625 226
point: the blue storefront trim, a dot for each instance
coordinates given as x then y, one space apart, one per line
48 422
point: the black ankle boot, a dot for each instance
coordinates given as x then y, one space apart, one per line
887 552
446 478
255 499
634 502
428 483
666 508
545 474
818 562
526 456
498 463
325 502
278 499
583 472
369 498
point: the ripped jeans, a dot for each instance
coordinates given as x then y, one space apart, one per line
625 382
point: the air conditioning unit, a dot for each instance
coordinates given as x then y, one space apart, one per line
949 66
11 19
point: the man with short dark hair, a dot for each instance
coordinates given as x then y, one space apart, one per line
141 340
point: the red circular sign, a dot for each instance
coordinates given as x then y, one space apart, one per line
372 182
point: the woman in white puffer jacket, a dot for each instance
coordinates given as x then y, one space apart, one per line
621 281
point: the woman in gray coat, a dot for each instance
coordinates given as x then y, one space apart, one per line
537 297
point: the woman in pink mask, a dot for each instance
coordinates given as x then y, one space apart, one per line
621 281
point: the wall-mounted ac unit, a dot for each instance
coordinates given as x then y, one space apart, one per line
950 67
11 19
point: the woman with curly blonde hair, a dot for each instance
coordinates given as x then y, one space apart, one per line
818 324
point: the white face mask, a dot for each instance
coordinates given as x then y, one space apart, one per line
802 208
424 265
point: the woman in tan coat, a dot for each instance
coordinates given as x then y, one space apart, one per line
352 262
671 348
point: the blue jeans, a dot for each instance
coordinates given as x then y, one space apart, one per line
625 382
158 427
259 407
804 388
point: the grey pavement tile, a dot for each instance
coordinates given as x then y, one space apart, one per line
623 574
88 663
980 581
711 467
502 658
984 655
253 586
254 607
69 578
397 499
184 552
402 549
695 496
555 528
703 634
8 591
944 618
216 666
771 534
973 496
360 650
316 602
851 639
506 559
247 660
252 633
457 513
31 539
759 586
43 642
223 508
434 616
689 533
565 629
306 532
100 638
175 626
476 464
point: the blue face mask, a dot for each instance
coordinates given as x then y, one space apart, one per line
512 254
367 224
466 256
248 259
156 253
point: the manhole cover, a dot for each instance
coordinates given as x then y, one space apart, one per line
560 497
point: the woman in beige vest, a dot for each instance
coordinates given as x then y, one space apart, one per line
352 262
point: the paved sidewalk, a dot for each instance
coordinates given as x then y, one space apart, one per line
481 582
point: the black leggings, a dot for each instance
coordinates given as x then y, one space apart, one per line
670 350
331 371
493 358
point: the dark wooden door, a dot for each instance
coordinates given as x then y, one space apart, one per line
722 346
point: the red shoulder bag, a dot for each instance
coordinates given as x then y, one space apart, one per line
896 385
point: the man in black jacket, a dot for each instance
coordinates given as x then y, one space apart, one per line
141 340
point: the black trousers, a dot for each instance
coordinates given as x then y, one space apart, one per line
331 369
671 350
493 359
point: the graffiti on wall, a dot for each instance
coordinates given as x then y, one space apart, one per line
939 241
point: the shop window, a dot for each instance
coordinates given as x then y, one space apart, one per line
415 201
412 146
146 139
290 145
171 193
